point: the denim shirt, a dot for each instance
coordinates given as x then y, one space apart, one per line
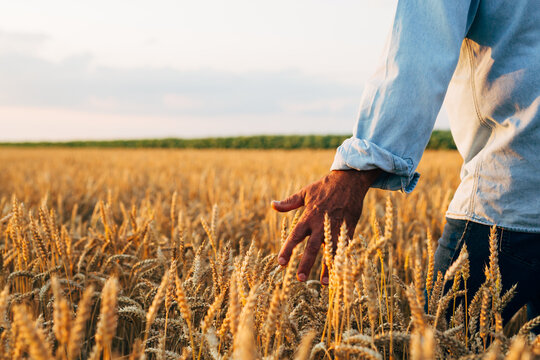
483 56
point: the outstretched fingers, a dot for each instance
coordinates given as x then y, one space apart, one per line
292 202
310 254
297 235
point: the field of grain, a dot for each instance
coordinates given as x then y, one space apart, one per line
171 254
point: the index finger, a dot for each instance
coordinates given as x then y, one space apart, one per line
297 235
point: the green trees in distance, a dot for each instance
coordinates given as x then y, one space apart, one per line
440 139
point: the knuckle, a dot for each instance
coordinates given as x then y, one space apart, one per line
295 237
295 234
300 228
312 247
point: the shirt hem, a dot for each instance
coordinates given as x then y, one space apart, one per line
483 221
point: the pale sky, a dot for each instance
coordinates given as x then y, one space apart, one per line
136 69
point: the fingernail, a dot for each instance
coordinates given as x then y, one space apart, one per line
282 261
302 277
325 280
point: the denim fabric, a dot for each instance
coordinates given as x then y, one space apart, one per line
484 57
519 261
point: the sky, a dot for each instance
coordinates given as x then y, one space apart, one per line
137 69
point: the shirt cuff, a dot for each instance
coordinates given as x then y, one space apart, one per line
360 154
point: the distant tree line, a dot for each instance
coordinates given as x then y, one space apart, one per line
440 139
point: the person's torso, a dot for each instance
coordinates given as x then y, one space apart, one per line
494 106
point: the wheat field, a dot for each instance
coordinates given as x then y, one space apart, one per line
171 254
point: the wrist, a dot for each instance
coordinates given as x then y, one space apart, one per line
362 178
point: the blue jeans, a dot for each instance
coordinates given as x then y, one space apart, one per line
519 261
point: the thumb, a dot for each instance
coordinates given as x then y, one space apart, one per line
292 202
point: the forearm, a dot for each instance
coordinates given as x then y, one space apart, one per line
401 102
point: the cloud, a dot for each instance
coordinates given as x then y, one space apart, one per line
335 105
180 101
76 83
23 123
20 42
75 98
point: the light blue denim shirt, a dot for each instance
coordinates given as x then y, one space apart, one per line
484 57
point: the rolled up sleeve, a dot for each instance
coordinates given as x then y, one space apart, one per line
361 154
401 101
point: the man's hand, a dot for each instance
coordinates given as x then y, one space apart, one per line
340 194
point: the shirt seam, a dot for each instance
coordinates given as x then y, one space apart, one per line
472 78
474 189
